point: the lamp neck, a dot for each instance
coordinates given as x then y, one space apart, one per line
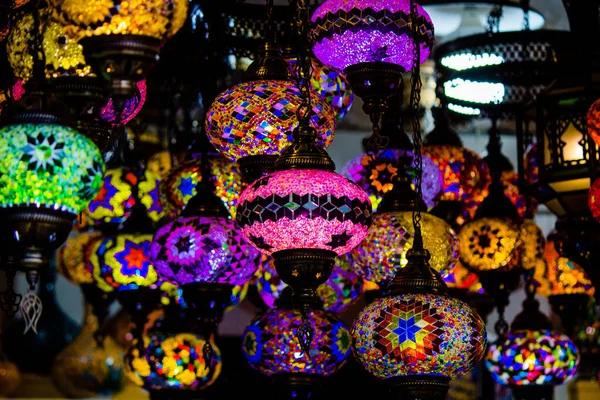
205 203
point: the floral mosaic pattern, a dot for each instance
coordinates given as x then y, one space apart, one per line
271 346
203 249
418 334
48 166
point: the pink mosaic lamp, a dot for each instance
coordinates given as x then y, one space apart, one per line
373 42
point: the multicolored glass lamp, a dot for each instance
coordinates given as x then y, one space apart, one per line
171 361
566 284
416 337
373 42
48 174
465 174
121 44
271 345
204 253
531 358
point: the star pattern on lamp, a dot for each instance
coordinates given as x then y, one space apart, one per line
106 193
259 243
186 186
134 258
411 331
339 240
43 153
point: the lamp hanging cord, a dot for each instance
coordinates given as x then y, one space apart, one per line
270 33
494 19
415 99
304 63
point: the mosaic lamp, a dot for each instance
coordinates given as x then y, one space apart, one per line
171 361
416 337
373 42
566 284
121 42
204 253
48 174
338 293
271 346
531 358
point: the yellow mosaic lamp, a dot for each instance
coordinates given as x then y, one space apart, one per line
122 40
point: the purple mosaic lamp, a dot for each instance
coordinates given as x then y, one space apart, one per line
270 344
374 43
204 253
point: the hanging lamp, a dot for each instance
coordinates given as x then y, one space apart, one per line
531 358
271 345
304 214
372 42
121 42
251 123
415 336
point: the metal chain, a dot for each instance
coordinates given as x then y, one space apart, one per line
415 100
270 34
303 63
494 19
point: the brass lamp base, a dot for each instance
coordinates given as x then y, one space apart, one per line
374 83
420 387
304 270
122 60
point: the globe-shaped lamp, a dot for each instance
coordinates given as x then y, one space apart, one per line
533 358
72 258
256 118
383 252
203 249
347 33
180 184
428 337
271 346
173 362
48 174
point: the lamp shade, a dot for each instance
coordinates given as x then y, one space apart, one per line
122 262
349 32
257 118
271 346
173 361
157 19
383 252
131 107
48 166
304 208
418 334
375 172
338 293
180 184
459 277
203 249
532 357
115 200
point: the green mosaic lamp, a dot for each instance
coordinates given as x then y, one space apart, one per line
48 174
